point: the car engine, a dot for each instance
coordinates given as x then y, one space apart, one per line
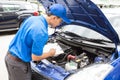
75 55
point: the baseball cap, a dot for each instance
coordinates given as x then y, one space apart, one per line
60 11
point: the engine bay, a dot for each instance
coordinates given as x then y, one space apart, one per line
76 56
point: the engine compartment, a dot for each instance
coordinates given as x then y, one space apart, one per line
76 56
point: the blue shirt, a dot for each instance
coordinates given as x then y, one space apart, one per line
31 38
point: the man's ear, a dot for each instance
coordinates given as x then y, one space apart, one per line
54 17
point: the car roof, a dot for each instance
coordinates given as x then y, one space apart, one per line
22 4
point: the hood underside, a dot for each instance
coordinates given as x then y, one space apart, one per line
86 13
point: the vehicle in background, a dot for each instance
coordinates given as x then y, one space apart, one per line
12 14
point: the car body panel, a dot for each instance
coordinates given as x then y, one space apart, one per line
9 19
89 15
114 73
52 71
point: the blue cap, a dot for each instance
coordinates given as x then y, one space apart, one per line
60 11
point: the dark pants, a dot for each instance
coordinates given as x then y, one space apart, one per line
17 70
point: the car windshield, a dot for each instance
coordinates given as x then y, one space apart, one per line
83 32
29 7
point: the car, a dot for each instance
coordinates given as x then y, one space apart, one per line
13 13
86 49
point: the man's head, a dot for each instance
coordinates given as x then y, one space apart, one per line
58 12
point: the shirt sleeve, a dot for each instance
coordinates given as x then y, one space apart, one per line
39 38
38 44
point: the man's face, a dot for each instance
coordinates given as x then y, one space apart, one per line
55 21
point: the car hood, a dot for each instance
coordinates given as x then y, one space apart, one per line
86 13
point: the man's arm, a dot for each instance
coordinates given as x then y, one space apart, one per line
44 55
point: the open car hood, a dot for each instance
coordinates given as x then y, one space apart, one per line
86 13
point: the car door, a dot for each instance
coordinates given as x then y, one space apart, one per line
9 17
1 17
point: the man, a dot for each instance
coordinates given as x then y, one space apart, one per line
29 41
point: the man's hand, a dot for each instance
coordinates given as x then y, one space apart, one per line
52 52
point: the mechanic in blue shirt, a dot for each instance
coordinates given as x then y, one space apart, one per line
29 41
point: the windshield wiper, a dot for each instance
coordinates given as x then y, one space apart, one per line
99 40
71 34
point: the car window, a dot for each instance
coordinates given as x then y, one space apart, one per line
84 32
10 7
29 7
